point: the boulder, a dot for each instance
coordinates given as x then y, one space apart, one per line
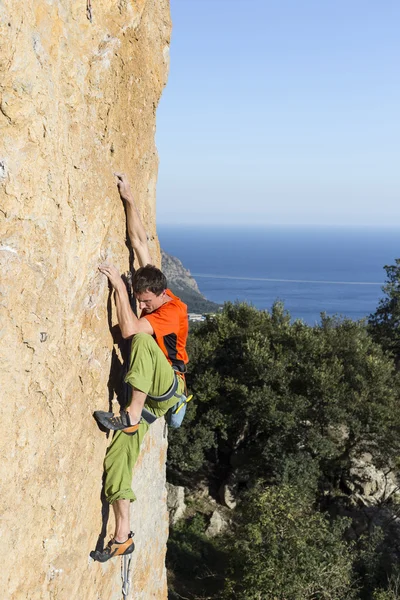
216 525
175 502
368 484
228 492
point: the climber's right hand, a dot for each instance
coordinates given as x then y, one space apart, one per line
123 187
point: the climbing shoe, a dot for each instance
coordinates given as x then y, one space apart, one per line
114 549
120 422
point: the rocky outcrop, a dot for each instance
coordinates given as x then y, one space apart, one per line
228 491
217 524
368 485
183 285
77 102
176 273
175 502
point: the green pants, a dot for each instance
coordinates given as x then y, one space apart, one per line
151 373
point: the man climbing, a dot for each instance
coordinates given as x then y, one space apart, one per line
157 363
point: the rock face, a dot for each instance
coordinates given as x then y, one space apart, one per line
228 491
77 102
176 272
183 285
175 502
216 525
368 485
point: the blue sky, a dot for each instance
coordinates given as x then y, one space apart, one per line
281 112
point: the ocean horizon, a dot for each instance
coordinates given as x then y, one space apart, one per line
311 269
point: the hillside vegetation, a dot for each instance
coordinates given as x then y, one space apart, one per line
291 420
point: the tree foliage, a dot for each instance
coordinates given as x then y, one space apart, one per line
291 406
284 549
384 323
283 397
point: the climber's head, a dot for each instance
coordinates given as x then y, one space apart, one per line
149 286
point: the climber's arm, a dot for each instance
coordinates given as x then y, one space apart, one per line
136 231
127 320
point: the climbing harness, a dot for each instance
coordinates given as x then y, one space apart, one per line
169 393
125 567
173 417
89 10
176 413
148 416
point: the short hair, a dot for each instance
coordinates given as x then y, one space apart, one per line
149 278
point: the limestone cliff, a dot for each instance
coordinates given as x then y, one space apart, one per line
77 102
181 282
176 272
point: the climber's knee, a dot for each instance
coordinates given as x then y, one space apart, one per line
143 340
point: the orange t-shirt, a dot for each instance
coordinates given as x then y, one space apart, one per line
170 325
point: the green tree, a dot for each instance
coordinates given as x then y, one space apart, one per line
393 590
291 405
195 563
384 323
284 398
283 549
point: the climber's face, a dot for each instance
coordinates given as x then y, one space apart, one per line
149 302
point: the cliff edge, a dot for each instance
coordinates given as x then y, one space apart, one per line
78 94
181 282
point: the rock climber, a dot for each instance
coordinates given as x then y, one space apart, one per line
156 372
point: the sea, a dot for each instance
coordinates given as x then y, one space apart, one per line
335 270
